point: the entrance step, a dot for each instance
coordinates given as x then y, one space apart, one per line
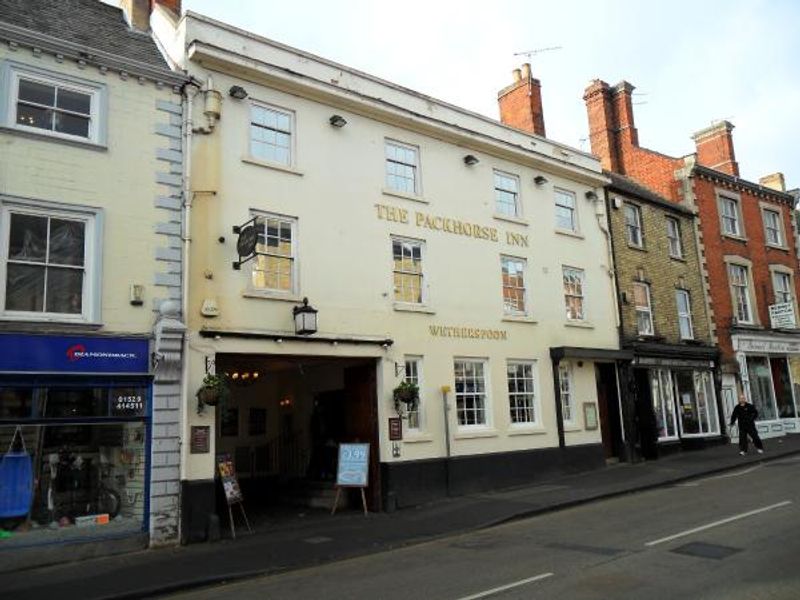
312 494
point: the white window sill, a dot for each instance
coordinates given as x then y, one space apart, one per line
571 428
678 258
416 308
737 238
50 320
271 165
579 324
778 247
510 219
466 434
526 430
404 195
570 233
417 438
54 137
519 319
267 295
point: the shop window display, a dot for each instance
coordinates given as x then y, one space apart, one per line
87 447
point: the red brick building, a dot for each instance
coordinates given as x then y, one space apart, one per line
746 234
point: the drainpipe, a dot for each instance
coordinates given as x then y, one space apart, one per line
446 408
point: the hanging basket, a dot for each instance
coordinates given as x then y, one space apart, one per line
209 396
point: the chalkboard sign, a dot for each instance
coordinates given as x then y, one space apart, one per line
353 465
233 493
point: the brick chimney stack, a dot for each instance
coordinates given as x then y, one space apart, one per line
774 181
602 126
715 148
521 102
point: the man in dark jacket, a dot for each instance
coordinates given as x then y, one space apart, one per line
746 414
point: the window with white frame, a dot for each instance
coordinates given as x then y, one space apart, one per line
521 392
566 392
782 284
402 168
275 262
407 270
573 281
633 225
471 394
413 374
513 285
506 194
683 302
644 310
566 217
773 232
49 263
663 396
729 211
740 288
53 104
271 134
674 238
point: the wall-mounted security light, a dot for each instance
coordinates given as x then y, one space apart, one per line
237 92
540 180
337 121
590 195
471 159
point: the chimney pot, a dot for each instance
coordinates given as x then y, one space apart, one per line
517 75
526 71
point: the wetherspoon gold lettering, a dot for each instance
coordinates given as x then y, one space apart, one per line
468 332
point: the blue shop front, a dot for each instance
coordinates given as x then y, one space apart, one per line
75 429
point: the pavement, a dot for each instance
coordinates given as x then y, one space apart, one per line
311 538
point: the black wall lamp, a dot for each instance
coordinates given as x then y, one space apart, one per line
305 318
471 159
237 92
337 121
540 180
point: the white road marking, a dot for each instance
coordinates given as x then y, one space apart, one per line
503 588
718 523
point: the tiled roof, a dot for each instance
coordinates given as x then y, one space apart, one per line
89 23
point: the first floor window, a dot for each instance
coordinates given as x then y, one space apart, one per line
471 395
506 194
402 166
644 312
521 397
276 254
407 256
513 285
740 288
566 392
565 211
684 314
782 282
633 225
47 263
271 134
573 281
674 238
663 398
413 374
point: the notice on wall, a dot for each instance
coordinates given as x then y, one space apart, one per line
781 315
227 474
200 439
353 469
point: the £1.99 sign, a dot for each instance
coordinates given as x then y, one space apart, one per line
353 465
127 405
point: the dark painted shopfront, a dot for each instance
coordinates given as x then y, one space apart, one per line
75 420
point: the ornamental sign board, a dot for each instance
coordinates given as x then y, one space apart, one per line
246 243
781 316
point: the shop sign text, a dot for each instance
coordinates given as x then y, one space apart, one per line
475 333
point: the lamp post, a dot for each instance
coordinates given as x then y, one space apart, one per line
305 318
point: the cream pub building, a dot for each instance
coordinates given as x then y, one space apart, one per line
437 245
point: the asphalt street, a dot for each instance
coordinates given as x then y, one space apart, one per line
731 536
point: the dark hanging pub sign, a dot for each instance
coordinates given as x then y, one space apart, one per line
246 244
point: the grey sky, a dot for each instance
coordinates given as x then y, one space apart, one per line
692 62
